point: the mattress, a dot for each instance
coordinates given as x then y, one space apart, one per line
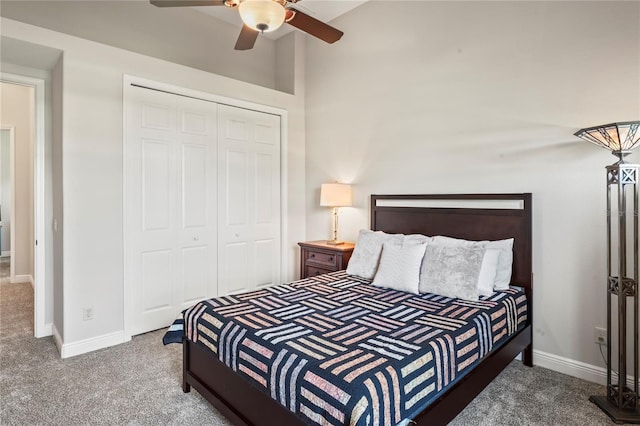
336 350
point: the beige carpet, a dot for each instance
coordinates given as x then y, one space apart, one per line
138 383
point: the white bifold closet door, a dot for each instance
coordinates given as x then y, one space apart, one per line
248 199
202 203
171 210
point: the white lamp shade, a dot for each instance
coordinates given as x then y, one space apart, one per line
262 15
335 195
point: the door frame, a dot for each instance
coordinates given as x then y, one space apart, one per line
12 188
40 328
128 81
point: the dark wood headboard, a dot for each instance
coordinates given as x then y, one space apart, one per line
468 216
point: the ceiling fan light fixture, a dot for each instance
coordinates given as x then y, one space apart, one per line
262 15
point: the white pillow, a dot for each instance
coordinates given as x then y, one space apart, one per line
451 271
488 271
400 266
416 238
366 254
505 261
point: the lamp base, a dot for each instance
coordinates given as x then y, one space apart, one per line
617 415
334 242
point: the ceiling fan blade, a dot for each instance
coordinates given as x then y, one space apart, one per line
181 3
247 38
312 26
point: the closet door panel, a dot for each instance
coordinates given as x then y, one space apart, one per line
150 191
235 208
194 183
157 188
197 239
196 273
267 199
170 206
236 189
157 280
266 254
237 272
249 178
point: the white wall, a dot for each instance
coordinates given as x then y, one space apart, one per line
457 97
177 34
92 168
5 189
17 111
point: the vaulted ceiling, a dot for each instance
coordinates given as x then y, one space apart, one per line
198 37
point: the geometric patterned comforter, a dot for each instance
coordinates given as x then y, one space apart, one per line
336 350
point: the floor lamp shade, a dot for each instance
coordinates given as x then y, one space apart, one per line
335 195
619 137
622 402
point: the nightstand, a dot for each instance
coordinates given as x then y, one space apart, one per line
318 257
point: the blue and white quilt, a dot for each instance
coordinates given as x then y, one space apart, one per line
336 350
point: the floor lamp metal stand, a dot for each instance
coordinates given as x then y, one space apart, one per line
622 400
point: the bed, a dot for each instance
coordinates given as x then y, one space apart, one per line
238 382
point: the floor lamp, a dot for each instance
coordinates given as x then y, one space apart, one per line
622 400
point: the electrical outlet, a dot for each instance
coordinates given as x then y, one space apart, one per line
600 336
87 314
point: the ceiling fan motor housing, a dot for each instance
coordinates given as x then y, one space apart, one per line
262 15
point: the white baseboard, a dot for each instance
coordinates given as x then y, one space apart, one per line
57 339
571 367
92 344
22 279
47 330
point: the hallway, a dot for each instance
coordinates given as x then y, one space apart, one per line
16 306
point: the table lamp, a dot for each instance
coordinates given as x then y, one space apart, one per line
335 195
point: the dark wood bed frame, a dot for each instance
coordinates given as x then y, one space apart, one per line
244 404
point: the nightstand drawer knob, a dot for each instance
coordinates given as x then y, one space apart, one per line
313 255
331 259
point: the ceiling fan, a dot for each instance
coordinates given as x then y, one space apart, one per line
262 16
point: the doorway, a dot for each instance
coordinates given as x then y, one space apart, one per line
23 117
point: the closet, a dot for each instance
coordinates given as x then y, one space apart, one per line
202 203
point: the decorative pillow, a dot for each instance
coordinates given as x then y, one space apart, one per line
451 271
488 271
417 238
505 261
366 254
400 266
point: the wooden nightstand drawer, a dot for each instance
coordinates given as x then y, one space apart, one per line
318 257
312 271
